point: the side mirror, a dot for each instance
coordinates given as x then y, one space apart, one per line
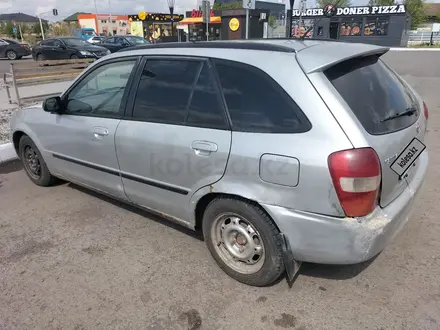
52 104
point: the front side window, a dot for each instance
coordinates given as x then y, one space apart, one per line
101 91
256 103
178 92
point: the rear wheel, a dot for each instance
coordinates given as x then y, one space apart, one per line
74 57
40 57
11 55
243 240
33 163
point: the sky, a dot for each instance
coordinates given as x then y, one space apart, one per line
123 7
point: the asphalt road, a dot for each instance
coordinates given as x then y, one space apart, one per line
70 259
5 63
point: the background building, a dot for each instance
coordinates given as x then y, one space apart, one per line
105 24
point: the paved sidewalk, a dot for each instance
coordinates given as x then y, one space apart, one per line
32 91
7 151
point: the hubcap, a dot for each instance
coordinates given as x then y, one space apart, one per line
12 55
238 243
32 162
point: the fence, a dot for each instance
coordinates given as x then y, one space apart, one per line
34 73
423 37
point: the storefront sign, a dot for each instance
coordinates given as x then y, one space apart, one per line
234 24
199 13
352 11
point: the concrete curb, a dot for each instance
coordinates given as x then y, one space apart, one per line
7 153
415 49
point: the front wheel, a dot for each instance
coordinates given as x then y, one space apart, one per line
243 240
33 163
74 57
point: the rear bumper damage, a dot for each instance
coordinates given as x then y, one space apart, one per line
330 240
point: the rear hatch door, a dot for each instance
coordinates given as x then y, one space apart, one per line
390 114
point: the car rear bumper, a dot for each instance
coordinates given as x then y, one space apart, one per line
330 240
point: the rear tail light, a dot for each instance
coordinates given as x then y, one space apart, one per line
425 110
356 175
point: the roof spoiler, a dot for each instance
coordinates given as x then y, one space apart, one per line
321 56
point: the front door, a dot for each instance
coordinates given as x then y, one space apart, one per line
80 141
178 138
334 30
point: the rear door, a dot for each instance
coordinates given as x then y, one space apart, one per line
177 139
376 96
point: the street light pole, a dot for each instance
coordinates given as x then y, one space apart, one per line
97 21
171 4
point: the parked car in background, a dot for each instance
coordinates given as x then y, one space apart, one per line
13 50
277 151
66 48
95 39
116 43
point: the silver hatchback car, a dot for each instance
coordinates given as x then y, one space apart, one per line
278 151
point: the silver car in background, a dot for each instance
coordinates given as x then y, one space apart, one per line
278 151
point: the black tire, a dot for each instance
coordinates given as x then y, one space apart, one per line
11 55
272 261
40 57
74 57
19 57
44 178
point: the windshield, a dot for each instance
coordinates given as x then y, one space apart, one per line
88 33
75 42
136 40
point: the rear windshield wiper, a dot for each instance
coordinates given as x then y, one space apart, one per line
407 112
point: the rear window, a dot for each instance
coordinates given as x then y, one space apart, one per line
374 93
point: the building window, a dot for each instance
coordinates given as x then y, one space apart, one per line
103 21
113 22
376 26
301 27
351 27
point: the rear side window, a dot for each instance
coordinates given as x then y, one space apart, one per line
374 94
256 103
46 43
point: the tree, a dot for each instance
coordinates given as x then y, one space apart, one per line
416 8
340 3
272 21
37 29
231 5
381 2
7 28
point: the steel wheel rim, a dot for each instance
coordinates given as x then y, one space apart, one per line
32 162
13 57
238 243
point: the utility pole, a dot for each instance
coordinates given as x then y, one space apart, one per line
41 26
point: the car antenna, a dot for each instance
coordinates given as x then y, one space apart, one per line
328 11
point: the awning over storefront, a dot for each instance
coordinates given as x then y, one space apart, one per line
197 20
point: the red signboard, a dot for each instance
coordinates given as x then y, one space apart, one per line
199 13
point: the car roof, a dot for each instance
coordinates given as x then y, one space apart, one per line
312 54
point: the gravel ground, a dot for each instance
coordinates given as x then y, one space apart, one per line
5 116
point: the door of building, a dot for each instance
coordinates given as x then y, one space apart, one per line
334 30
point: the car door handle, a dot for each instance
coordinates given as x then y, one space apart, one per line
99 132
204 148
